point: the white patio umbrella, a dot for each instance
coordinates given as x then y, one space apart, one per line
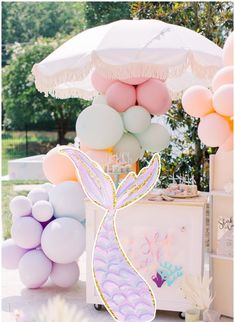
125 49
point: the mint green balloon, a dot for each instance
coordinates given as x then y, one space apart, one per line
99 126
155 138
136 119
128 145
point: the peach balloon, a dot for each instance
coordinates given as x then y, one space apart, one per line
213 130
100 83
154 96
58 168
86 148
231 122
227 145
222 77
134 80
120 96
100 156
228 51
197 101
223 100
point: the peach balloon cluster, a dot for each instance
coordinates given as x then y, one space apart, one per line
152 94
214 107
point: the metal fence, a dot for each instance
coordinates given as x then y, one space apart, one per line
20 144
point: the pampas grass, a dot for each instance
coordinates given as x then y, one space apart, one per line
58 310
197 291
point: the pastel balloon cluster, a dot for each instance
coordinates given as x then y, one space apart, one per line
150 93
214 107
47 237
119 119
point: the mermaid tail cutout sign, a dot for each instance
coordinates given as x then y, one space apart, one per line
125 294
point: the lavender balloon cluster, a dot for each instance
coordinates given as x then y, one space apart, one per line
47 237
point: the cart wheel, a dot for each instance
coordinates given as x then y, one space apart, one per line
98 307
182 315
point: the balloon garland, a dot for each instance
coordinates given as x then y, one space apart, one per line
214 107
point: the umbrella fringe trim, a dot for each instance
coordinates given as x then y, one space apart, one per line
48 84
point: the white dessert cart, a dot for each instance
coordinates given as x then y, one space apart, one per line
155 233
221 174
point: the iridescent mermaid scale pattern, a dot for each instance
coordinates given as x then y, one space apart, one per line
125 294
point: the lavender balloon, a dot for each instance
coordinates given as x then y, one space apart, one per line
20 206
26 232
34 268
125 294
65 275
11 254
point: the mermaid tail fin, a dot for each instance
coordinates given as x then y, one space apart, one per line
133 187
126 295
97 184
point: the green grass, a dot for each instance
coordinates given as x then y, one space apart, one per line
39 142
7 194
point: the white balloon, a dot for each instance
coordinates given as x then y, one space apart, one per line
34 268
42 210
128 145
38 194
26 232
65 275
99 126
63 240
155 138
67 199
136 119
20 206
99 99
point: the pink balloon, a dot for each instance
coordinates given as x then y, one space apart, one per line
11 254
228 51
135 80
222 77
100 82
34 268
65 275
197 101
26 232
223 100
213 130
120 96
227 145
154 96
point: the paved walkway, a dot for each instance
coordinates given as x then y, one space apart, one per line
16 297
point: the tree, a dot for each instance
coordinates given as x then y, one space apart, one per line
213 20
98 13
23 104
24 22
